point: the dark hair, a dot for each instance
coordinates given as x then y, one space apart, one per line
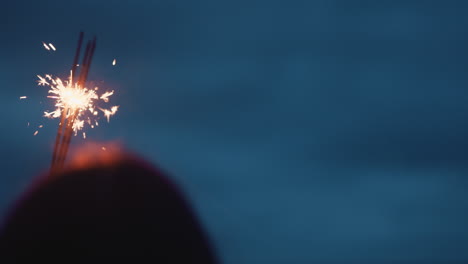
126 211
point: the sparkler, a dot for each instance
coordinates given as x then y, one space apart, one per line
74 102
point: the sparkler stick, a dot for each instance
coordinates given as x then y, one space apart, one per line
65 143
66 139
58 137
76 104
77 54
65 110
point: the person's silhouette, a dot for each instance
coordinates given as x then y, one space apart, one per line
124 211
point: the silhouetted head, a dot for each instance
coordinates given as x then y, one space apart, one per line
122 210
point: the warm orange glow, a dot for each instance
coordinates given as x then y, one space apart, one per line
96 154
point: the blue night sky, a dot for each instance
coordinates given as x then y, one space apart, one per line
330 131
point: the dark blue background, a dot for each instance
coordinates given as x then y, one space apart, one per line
302 131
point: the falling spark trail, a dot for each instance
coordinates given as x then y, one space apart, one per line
23 97
52 46
114 62
35 133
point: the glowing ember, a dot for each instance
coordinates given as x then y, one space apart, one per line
73 99
35 133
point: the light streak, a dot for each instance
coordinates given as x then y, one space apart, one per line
45 46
